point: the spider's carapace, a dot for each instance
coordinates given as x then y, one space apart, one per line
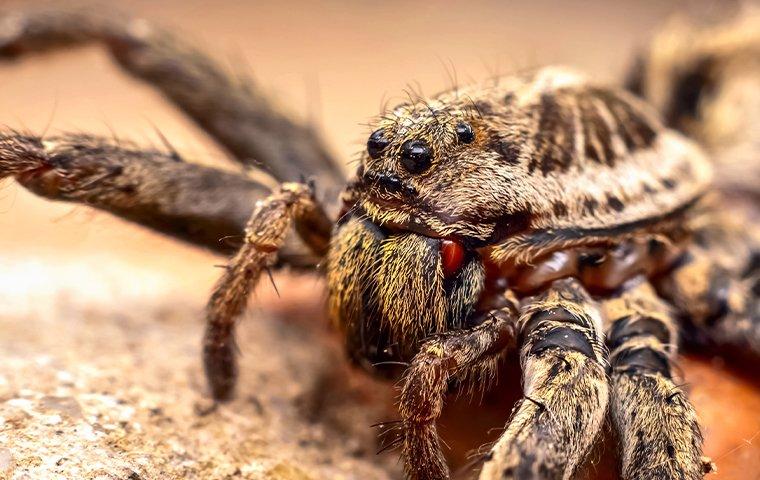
538 178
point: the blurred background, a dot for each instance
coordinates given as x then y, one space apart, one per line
332 63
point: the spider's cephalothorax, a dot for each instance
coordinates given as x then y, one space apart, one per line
536 178
543 212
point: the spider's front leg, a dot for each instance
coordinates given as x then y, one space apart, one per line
231 109
160 190
656 425
566 390
264 236
447 356
202 205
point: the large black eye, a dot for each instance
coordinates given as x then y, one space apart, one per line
377 143
416 156
465 133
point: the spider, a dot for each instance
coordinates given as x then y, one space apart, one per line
542 212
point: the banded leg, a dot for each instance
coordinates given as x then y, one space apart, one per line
231 110
655 423
717 289
565 388
458 354
265 235
197 204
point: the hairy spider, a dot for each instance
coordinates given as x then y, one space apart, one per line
543 212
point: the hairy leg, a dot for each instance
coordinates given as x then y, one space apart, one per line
192 202
716 289
458 354
201 205
565 388
265 235
232 110
656 425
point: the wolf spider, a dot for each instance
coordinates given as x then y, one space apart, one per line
542 212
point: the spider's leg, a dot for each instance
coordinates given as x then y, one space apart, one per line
195 203
656 424
264 236
457 354
232 110
566 390
716 289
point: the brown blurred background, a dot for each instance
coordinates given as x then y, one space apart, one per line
333 63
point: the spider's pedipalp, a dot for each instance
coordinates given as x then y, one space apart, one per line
565 388
232 111
456 354
264 237
656 425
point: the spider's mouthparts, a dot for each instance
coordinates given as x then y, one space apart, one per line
387 214
452 257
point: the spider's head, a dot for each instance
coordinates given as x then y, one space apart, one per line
404 262
422 164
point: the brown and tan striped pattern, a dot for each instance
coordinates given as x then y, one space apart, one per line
553 153
704 78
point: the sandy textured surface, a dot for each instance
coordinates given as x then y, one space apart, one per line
89 392
100 321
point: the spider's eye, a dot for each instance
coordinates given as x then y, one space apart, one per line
377 143
465 133
416 156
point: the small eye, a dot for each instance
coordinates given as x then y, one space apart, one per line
377 143
416 156
465 133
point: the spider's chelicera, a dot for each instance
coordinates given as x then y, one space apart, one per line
543 212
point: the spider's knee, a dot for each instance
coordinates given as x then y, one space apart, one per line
564 319
639 344
562 337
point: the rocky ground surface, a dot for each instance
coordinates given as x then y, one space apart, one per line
104 393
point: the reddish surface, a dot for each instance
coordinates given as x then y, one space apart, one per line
452 254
